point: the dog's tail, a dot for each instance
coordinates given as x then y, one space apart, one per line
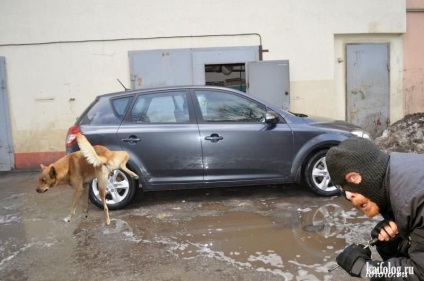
88 151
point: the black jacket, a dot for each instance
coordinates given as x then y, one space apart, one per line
406 193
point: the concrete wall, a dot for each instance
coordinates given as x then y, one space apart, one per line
414 57
61 54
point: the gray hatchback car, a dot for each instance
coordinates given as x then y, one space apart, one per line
203 136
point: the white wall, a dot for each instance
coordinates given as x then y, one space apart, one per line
43 78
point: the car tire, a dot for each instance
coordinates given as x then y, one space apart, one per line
120 191
317 177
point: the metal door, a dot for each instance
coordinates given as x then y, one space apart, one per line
270 81
368 90
6 148
157 68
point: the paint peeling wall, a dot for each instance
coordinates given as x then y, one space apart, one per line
61 54
414 57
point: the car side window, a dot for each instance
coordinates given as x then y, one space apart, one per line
166 107
120 105
217 106
107 112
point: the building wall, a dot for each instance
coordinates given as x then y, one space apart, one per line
413 45
61 54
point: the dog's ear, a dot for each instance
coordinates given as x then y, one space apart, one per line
52 173
43 167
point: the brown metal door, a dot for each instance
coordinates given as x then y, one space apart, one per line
367 100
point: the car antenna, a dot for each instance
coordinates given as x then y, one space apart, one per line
126 89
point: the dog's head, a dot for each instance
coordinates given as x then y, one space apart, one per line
47 179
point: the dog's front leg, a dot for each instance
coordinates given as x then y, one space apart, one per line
78 190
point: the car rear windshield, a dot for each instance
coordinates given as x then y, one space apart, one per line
107 111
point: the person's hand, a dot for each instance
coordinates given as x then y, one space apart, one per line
353 258
385 230
389 244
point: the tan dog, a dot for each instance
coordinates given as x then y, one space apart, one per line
79 168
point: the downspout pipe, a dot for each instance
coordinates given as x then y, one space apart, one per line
414 10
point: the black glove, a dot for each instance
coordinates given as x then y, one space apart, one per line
395 247
377 229
353 258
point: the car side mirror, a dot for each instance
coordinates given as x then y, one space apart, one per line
271 117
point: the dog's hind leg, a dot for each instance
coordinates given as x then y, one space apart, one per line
102 192
126 170
102 177
85 200
120 159
78 191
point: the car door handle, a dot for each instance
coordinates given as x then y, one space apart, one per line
131 140
214 138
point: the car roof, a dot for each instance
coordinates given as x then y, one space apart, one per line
153 89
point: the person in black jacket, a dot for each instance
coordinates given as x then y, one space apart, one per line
390 185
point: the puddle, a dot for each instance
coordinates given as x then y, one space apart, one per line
251 240
266 236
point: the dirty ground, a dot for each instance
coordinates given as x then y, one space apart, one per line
255 233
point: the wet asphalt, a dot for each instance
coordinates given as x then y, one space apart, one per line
245 233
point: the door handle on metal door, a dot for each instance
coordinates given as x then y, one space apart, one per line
214 138
131 139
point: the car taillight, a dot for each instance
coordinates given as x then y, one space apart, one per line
71 136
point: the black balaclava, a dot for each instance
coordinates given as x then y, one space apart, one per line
364 157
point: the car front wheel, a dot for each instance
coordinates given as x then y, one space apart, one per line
120 191
317 176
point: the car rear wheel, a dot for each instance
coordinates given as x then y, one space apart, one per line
120 191
317 176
